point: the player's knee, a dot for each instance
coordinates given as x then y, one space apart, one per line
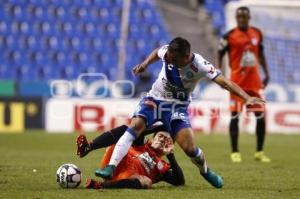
260 115
146 184
138 125
234 117
190 150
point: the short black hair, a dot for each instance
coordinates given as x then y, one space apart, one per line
159 129
243 8
179 45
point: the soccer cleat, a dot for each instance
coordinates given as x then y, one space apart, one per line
83 147
261 157
213 178
92 184
236 157
106 172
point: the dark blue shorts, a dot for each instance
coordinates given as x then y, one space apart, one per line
172 114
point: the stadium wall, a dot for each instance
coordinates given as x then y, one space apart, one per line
68 115
20 113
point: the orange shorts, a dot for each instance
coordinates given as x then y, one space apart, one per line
124 169
236 103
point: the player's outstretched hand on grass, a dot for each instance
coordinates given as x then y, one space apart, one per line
139 68
255 100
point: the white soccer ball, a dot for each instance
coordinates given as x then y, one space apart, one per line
68 176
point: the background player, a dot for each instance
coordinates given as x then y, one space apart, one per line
245 50
168 101
142 166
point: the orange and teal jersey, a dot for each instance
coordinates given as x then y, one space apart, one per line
140 160
244 48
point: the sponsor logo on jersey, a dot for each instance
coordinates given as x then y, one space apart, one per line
254 41
147 162
176 91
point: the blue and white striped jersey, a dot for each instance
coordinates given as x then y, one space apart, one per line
177 84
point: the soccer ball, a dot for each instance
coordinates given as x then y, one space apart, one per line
68 176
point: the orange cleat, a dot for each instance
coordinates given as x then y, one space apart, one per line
83 147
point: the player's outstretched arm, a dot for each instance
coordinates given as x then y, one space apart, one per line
235 89
153 57
133 183
174 175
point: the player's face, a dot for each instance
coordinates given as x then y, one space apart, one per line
177 59
161 141
242 18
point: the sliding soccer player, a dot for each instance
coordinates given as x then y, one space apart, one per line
143 164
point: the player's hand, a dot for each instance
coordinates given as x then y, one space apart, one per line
169 147
266 81
255 100
139 68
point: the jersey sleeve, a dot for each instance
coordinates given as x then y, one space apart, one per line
261 44
207 68
223 44
162 51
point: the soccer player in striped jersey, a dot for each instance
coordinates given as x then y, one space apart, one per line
168 101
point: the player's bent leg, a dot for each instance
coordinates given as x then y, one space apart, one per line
136 127
105 139
185 139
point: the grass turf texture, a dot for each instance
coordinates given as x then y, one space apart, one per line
22 153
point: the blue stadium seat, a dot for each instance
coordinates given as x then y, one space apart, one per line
4 27
48 39
23 72
40 13
5 70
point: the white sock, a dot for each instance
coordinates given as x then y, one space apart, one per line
122 147
199 161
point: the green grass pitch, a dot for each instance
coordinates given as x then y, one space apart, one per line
22 153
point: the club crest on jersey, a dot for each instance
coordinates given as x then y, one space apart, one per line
170 66
160 165
254 41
